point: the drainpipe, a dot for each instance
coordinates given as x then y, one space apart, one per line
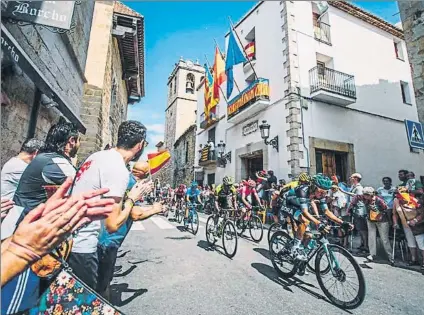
34 114
303 130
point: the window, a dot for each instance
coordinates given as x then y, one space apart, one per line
398 50
406 96
175 85
186 152
112 105
211 135
190 83
321 68
170 89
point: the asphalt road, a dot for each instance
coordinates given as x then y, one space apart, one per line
163 270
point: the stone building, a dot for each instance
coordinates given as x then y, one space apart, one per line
184 154
114 72
412 15
181 107
42 75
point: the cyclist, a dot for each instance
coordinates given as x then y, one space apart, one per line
248 191
180 193
305 194
192 195
224 192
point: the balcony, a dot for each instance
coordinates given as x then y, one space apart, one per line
206 123
322 32
249 102
331 86
207 157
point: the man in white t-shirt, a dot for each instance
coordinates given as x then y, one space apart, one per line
12 171
105 169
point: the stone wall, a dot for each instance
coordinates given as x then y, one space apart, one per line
101 118
61 58
182 164
412 15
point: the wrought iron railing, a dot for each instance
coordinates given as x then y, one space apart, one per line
322 32
321 78
205 123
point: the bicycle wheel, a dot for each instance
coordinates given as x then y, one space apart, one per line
229 239
274 227
177 215
346 273
182 213
255 228
210 228
279 249
194 221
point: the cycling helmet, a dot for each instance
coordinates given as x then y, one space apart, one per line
304 178
194 184
251 183
228 181
321 181
368 191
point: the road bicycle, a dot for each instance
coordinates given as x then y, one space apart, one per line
334 267
179 211
219 225
252 222
193 218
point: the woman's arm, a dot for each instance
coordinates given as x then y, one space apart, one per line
139 213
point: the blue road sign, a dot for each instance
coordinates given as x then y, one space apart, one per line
415 134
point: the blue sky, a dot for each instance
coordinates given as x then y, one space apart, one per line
187 29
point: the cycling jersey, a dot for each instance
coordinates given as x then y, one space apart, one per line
222 195
193 194
299 199
180 193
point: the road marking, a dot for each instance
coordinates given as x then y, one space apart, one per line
137 226
161 223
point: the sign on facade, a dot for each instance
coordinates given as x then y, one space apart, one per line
257 90
415 134
49 13
250 128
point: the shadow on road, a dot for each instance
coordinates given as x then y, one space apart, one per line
123 254
181 228
116 291
203 244
272 275
125 273
264 252
179 238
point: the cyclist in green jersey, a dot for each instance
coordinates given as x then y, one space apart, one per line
226 194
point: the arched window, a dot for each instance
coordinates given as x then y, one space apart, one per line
190 83
170 89
175 85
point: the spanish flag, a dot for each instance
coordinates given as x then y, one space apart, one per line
158 160
219 75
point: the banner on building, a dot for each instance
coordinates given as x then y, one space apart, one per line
49 13
257 90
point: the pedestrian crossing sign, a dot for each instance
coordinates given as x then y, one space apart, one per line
415 134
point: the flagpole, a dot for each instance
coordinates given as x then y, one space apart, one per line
241 44
207 61
224 60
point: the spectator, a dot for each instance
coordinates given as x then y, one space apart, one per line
109 243
13 169
32 239
415 187
417 227
51 166
402 175
387 192
405 214
377 219
211 145
360 211
97 172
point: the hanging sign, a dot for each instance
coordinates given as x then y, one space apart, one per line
250 128
415 134
57 14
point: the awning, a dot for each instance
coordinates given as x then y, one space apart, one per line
10 46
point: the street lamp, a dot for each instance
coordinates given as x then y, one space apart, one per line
264 128
223 157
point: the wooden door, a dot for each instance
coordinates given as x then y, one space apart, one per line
328 163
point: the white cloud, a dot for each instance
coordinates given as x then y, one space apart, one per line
155 128
155 138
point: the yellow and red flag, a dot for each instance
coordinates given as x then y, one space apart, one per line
157 160
219 75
